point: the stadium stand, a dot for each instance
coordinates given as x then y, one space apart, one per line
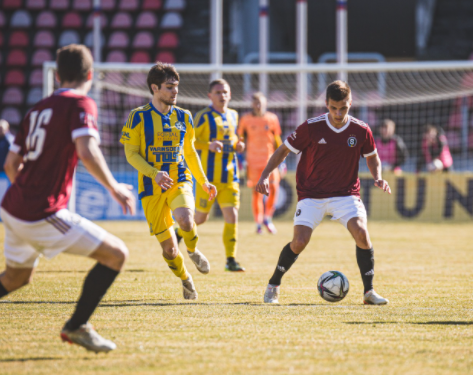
128 5
166 56
11 4
1 39
16 58
12 115
89 39
19 39
121 20
118 39
171 20
36 78
40 56
116 56
82 5
72 21
44 39
35 4
34 95
2 19
152 5
140 57
68 37
176 5
15 78
143 40
59 4
168 40
46 20
146 20
21 19
13 96
108 5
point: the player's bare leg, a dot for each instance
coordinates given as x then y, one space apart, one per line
230 238
358 228
289 255
185 219
14 278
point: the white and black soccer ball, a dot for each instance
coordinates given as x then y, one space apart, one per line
333 286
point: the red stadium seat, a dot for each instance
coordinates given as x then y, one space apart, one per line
20 19
11 4
90 21
146 20
121 21
40 56
171 20
118 39
34 96
140 57
165 57
16 58
82 5
12 115
59 4
15 78
13 96
128 5
116 56
2 19
19 39
36 4
44 39
143 40
89 39
68 37
168 40
36 77
152 5
177 5
46 20
72 21
108 4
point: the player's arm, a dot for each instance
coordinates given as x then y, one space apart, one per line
277 158
89 153
13 165
374 165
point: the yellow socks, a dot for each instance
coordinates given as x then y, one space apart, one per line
190 238
177 266
230 239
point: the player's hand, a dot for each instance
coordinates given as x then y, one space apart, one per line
240 145
125 198
216 146
383 184
163 180
262 186
211 190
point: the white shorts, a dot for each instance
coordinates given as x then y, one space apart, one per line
310 212
62 232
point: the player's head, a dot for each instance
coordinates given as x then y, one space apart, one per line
74 66
338 101
219 93
259 103
163 82
387 129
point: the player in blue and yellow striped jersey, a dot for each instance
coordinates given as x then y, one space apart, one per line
215 131
157 138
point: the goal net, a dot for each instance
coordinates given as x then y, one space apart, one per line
430 104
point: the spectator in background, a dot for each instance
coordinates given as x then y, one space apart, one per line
436 154
6 138
391 148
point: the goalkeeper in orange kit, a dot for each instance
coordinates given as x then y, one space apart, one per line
263 136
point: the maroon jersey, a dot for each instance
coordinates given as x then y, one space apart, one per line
46 143
330 157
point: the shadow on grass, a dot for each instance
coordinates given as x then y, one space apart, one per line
30 359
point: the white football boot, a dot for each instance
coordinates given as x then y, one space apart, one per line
272 294
87 337
200 261
373 298
188 289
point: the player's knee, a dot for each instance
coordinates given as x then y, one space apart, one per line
171 253
299 244
186 223
363 238
121 251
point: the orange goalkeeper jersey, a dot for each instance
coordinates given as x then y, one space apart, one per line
263 133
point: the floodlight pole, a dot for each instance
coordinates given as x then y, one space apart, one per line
301 43
342 37
263 43
216 39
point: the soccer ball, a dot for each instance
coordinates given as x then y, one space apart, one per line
333 286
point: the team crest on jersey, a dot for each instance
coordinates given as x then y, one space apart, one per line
352 141
180 126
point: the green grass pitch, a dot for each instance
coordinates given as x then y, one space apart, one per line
424 269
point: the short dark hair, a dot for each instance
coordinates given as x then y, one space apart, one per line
74 63
161 73
216 82
338 90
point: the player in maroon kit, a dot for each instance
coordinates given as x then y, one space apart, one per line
40 166
328 184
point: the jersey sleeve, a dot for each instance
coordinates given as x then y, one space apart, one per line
131 132
84 119
369 146
299 140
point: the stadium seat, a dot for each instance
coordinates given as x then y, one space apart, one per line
90 21
152 5
89 39
72 21
13 96
140 57
36 4
128 5
146 20
2 19
15 78
171 20
177 5
46 20
16 58
121 21
82 5
34 96
68 37
136 79
111 99
118 39
18 39
44 39
12 115
40 56
20 19
11 4
168 40
108 5
1 39
116 56
36 78
165 57
59 4
144 39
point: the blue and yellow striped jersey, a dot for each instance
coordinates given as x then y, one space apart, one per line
220 167
164 140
